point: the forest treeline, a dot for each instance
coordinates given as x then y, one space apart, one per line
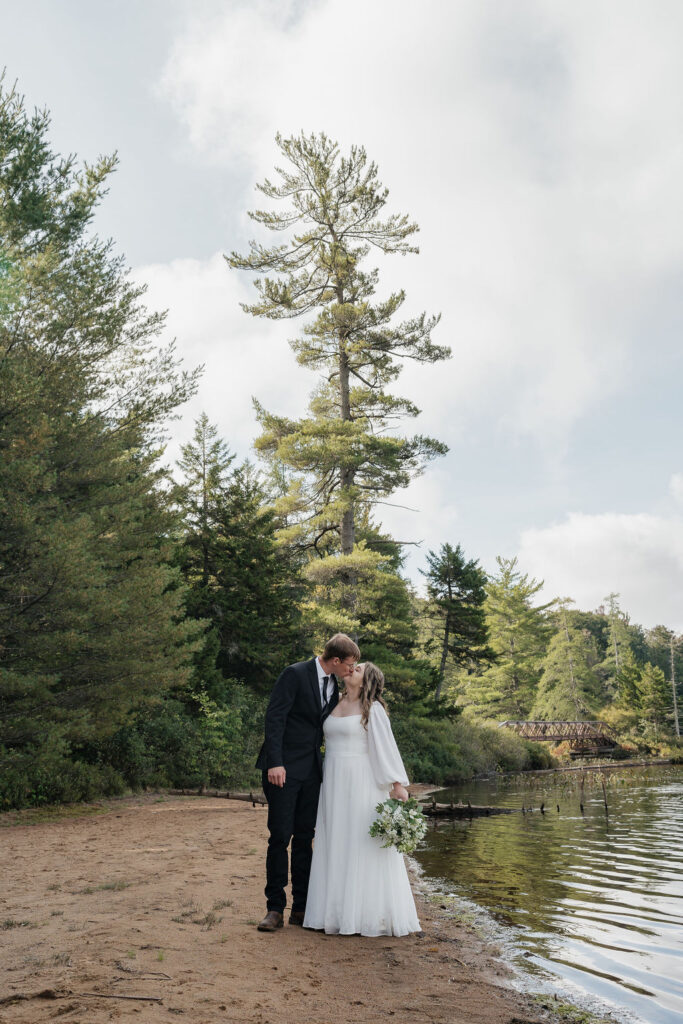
146 609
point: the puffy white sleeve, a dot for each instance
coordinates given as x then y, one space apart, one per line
385 760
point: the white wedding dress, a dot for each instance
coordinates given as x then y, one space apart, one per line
356 885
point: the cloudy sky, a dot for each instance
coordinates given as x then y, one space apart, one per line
538 145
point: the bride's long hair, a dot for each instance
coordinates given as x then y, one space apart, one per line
371 690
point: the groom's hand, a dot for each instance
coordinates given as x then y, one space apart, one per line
277 776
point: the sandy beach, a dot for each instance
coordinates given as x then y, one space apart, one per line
158 896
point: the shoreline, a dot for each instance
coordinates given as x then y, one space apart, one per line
157 897
419 789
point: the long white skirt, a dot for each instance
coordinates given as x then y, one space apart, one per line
356 886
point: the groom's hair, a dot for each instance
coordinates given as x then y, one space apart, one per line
341 646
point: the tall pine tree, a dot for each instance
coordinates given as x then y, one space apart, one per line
346 454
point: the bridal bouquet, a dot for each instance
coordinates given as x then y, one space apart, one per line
400 824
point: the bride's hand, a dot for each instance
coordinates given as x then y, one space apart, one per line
399 792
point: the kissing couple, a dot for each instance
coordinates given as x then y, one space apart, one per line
348 883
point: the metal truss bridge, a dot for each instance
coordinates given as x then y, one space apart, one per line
579 735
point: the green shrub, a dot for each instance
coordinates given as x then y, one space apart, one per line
441 751
50 774
192 742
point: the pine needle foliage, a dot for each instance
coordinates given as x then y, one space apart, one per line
520 631
90 608
346 454
456 592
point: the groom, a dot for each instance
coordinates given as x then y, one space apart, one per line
291 764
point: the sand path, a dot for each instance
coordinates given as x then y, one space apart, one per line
158 896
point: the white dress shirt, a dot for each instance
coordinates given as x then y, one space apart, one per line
321 675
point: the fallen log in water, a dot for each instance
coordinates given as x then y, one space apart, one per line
460 810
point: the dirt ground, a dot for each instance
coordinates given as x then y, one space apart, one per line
159 897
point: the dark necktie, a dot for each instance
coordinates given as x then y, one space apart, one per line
326 680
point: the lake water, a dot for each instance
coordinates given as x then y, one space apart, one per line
594 900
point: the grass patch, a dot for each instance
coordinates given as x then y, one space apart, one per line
161 956
116 886
566 1013
131 954
193 914
51 812
208 921
221 904
9 922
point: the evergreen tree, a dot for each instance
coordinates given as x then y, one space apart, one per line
569 689
384 619
261 587
519 634
205 464
345 455
617 634
628 680
596 624
655 698
665 650
243 584
89 605
456 591
624 654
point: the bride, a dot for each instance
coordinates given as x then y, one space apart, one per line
356 885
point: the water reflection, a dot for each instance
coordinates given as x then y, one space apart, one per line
594 898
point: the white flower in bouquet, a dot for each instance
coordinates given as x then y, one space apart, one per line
400 824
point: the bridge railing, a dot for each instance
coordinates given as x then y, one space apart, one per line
589 732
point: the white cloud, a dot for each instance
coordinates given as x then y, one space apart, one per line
535 144
243 357
676 487
423 516
587 557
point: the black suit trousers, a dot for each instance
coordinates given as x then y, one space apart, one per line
292 810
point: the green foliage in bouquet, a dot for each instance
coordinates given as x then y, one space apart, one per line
400 823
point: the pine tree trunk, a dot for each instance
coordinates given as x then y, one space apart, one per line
442 666
348 524
205 525
571 668
673 689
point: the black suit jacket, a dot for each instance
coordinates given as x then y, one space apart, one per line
294 722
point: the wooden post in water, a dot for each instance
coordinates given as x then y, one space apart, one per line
604 792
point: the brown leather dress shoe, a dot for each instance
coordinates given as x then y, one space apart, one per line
271 922
297 917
